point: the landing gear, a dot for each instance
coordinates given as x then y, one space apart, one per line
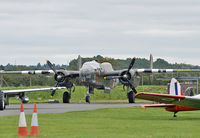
66 97
2 103
23 98
131 97
175 114
87 99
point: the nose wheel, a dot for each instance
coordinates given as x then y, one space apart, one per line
175 114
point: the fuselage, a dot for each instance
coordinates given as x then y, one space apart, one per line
92 73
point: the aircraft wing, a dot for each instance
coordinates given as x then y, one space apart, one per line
187 101
157 105
116 73
161 98
155 71
28 72
31 90
47 72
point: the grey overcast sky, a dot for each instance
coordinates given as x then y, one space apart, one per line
32 31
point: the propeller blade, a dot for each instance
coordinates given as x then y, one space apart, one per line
54 91
131 85
112 77
51 66
131 64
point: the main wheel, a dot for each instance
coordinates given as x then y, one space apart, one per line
87 99
2 103
131 97
66 97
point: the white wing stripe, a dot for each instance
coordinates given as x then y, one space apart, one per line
32 90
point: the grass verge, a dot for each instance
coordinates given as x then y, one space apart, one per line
115 122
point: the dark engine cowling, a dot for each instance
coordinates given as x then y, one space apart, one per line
59 77
63 80
25 99
124 75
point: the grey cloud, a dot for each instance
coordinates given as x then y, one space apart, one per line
34 29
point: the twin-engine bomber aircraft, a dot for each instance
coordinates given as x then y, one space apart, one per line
98 75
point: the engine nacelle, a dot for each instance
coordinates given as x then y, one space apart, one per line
59 77
24 99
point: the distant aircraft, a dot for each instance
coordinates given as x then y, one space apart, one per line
100 76
5 94
175 101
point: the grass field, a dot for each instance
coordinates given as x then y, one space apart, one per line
112 123
117 94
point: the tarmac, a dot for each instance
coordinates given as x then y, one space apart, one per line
14 109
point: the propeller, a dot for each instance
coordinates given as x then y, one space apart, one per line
131 64
125 76
59 77
51 66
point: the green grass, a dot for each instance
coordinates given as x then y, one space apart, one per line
117 94
114 122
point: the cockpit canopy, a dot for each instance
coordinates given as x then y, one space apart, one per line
106 67
93 67
90 67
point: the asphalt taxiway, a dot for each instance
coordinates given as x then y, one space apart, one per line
14 109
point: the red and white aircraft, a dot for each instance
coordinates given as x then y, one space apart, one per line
173 102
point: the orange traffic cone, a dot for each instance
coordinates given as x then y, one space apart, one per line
22 131
34 124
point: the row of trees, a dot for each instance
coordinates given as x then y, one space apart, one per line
10 67
140 63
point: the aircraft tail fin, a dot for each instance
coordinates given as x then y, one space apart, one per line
151 62
175 88
79 64
151 67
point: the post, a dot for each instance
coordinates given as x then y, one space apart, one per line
30 81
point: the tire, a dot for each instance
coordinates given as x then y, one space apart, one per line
87 99
131 97
2 103
25 99
66 97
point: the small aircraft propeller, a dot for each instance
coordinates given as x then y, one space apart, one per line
126 76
